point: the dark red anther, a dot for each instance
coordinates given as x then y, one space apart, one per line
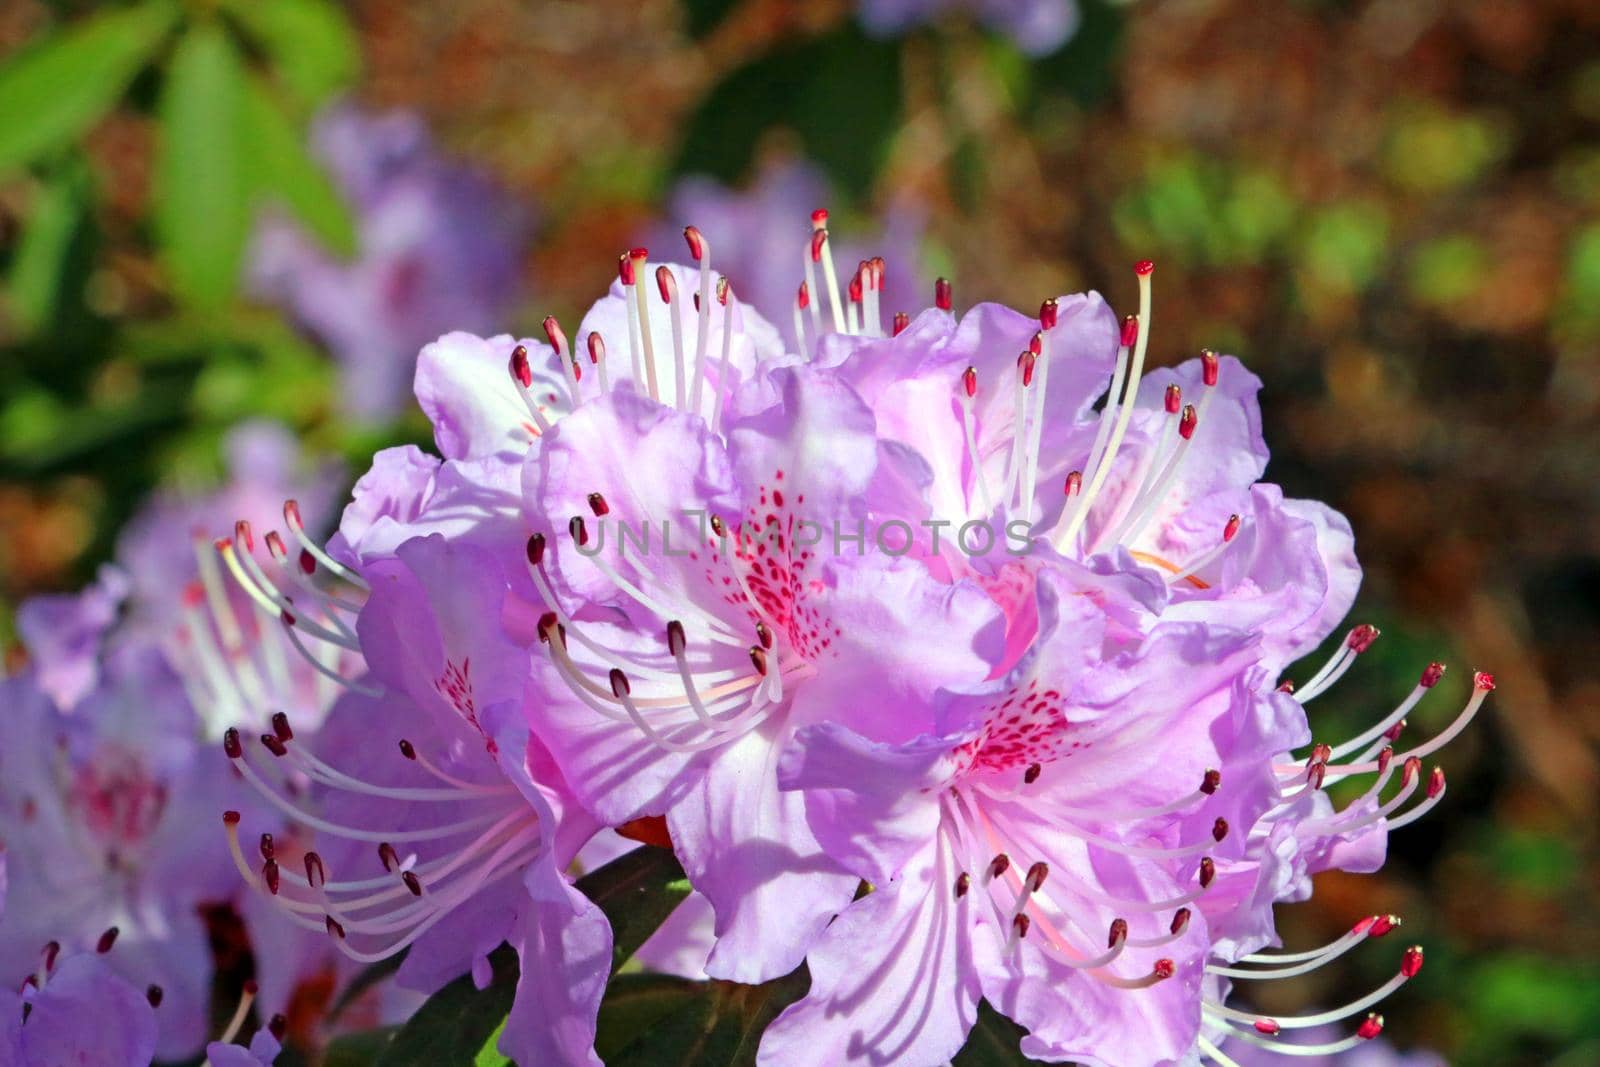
625 269
1163 969
243 534
1210 366
521 370
1483 680
1230 530
1384 757
818 239
231 744
1187 422
273 745
1130 331
696 243
1286 686
222 544
999 865
619 683
1025 363
107 939
335 928
412 882
1049 314
554 333
598 505
1031 775
1208 871
286 617
407 750
1361 638
1036 876
388 856
969 381
854 288
1411 962
724 291
1409 772
1020 923
1174 399
1370 1027
1074 483
266 847
901 321
1219 829
666 284
536 543
1267 1026
1316 774
1435 782
1393 733
802 296
1180 921
1431 675
153 994
1321 752
763 634
597 347
548 624
1143 268
638 253
1036 343
819 218
758 659
963 883
48 954
719 527
278 1025
879 269
579 532
280 726
270 875
1382 924
1118 932
308 562
1210 781
291 514
1363 925
230 818
275 545
676 641
316 873
942 298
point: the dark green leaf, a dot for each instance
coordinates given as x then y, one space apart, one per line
1085 69
637 891
706 1023
311 44
358 1049
703 16
994 1042
54 91
284 170
456 1022
839 93
203 184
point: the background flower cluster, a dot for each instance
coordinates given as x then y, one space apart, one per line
1389 209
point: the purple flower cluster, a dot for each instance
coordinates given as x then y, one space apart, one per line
686 566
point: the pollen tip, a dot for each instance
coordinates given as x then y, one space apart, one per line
1130 331
407 750
1074 483
154 994
676 641
250 987
1411 962
1361 638
1049 313
1180 920
266 847
598 505
1370 1027
278 1025
619 683
1174 398
273 745
230 818
963 883
969 381
1031 775
281 727
1188 421
335 928
244 534
1435 782
1163 969
1230 530
107 939
1037 875
1117 932
819 217
666 284
1483 680
758 659
942 296
639 252
597 346
231 743
901 321
1208 871
412 882
536 543
222 544
1267 1026
1144 268
1431 675
1209 783
1219 829
1210 367
1020 923
1382 924
291 514
696 243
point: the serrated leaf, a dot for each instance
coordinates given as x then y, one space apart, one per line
51 93
311 44
840 93
285 171
994 1042
203 183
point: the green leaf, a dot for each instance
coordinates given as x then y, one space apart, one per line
994 1042
285 170
55 223
637 891
54 91
455 1023
702 16
695 1022
202 180
311 44
358 1049
840 93
490 1055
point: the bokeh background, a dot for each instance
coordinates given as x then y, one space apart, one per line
213 212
